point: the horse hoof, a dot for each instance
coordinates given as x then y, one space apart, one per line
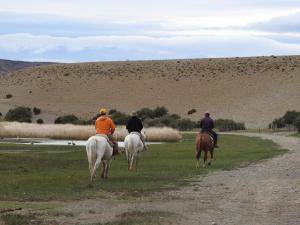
209 163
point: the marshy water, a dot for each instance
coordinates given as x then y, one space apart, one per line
40 141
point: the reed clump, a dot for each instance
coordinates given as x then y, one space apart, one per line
78 132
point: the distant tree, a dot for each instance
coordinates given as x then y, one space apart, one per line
36 111
290 117
20 114
277 123
0 114
9 96
228 125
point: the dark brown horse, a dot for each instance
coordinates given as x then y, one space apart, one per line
205 143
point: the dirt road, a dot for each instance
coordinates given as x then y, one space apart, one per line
264 193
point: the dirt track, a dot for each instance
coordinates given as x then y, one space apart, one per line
265 193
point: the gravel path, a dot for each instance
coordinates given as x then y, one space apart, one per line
264 193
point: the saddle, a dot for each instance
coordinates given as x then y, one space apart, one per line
210 135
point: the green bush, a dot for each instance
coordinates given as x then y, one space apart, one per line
297 124
40 121
185 124
112 111
36 111
119 118
72 119
20 114
160 111
145 113
228 125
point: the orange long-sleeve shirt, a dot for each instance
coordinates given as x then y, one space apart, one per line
105 125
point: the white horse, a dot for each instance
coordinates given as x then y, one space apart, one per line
98 149
133 147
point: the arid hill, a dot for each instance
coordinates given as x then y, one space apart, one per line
253 90
10 65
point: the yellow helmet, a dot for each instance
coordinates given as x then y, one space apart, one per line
103 111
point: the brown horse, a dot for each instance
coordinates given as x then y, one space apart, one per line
204 142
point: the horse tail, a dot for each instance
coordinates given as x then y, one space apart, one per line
91 149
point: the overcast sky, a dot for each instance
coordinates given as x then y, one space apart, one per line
96 30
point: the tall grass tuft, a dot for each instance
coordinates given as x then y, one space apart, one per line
77 132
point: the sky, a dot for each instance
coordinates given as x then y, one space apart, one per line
97 30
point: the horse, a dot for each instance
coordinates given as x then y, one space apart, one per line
204 142
98 149
133 147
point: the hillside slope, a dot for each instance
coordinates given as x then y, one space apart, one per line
252 90
10 65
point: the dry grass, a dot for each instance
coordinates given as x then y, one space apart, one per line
76 132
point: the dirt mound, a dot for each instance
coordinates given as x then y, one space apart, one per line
253 90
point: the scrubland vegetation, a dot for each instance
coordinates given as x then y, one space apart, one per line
77 132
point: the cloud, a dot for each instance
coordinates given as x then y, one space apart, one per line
282 24
141 47
96 30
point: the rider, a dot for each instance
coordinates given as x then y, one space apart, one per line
105 126
207 125
134 124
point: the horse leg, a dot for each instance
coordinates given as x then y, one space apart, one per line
107 168
198 156
205 158
103 169
98 161
211 157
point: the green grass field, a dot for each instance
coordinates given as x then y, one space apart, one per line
42 173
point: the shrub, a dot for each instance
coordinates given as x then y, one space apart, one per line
36 111
112 111
297 123
120 118
145 113
228 125
0 113
72 119
40 121
160 111
191 111
20 114
185 124
8 96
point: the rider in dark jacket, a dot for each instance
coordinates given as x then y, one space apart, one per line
134 124
207 125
